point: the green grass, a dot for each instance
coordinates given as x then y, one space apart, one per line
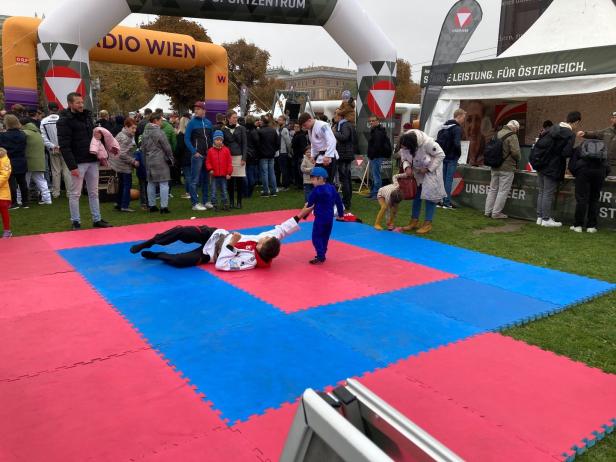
585 333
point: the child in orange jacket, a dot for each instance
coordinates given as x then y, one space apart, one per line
5 193
220 166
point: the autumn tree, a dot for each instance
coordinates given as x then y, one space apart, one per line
123 88
264 92
247 66
406 90
183 86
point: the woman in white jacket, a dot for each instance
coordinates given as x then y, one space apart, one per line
426 157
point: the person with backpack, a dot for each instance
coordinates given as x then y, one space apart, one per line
608 135
590 166
502 155
449 139
549 158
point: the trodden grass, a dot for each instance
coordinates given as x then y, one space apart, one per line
585 333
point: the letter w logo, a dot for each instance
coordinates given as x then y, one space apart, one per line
222 78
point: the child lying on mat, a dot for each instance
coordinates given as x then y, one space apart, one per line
389 197
227 250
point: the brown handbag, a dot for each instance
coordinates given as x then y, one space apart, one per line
408 186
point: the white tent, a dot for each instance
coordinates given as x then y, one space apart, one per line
565 25
159 101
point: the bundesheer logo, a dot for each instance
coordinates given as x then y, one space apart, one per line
463 18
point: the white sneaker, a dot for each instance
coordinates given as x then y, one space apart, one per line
591 230
577 229
186 196
199 208
551 223
44 203
209 206
539 221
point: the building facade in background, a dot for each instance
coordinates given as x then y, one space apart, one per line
321 82
516 18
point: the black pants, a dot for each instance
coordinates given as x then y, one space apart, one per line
588 184
235 186
19 179
344 175
188 235
298 177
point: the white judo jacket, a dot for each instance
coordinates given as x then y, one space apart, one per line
241 259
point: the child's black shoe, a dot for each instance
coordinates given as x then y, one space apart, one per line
316 261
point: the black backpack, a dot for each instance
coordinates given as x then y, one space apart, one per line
593 150
444 138
541 153
493 154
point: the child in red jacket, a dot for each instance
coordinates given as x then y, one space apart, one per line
220 166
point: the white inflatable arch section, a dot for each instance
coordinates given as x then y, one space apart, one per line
75 26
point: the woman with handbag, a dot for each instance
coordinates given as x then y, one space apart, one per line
426 159
157 154
124 163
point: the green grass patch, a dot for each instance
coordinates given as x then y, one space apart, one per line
585 333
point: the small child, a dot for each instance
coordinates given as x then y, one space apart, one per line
5 193
389 197
306 168
323 198
220 166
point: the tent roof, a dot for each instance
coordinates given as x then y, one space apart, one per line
159 101
565 25
568 25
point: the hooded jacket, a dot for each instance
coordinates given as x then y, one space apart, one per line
123 163
35 148
156 150
454 132
219 161
429 155
564 139
75 131
106 147
343 131
14 141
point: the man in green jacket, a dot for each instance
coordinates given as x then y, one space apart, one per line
502 177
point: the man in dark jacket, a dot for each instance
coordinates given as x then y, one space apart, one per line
379 148
345 138
450 140
141 126
550 175
252 155
75 129
608 136
269 144
198 139
298 145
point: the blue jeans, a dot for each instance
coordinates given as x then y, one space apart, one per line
430 207
307 190
186 171
268 176
252 178
125 184
164 193
199 176
449 169
375 172
220 183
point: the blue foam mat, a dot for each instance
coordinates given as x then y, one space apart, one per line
247 356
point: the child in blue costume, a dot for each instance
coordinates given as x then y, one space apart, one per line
323 198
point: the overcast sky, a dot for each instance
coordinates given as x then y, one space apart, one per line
412 25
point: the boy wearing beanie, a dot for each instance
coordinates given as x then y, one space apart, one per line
220 166
323 198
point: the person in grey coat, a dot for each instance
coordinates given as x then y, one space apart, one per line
157 154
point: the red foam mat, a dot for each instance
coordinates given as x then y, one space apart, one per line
547 401
120 409
92 237
350 272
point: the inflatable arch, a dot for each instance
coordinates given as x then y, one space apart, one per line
123 45
75 26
